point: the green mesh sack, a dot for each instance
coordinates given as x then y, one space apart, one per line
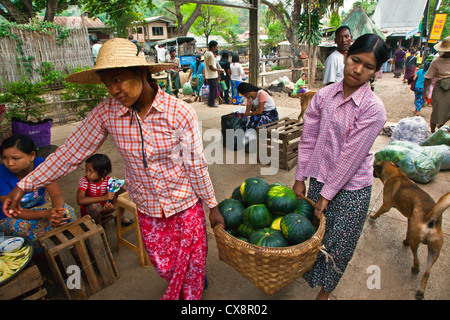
187 89
444 150
441 136
392 153
421 167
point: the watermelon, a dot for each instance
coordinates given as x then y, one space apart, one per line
232 211
305 208
296 228
257 216
268 237
245 230
281 200
242 238
254 191
277 184
233 232
276 222
237 194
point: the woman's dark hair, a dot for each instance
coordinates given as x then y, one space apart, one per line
22 142
245 87
235 57
100 163
370 42
198 60
224 55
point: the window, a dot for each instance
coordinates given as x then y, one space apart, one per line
157 31
139 30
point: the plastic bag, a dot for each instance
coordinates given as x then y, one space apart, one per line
441 136
205 93
40 132
230 125
187 89
421 167
392 153
414 129
285 80
444 150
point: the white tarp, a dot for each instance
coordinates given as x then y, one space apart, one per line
399 17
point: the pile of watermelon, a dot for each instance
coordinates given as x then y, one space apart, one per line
267 215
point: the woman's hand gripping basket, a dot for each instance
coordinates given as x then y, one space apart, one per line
270 269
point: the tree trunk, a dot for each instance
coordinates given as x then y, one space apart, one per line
183 28
50 12
313 65
14 14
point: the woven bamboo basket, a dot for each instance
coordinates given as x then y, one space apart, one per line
270 269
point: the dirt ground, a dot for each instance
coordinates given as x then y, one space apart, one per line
397 98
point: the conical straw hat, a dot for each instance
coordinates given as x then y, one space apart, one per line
116 53
443 46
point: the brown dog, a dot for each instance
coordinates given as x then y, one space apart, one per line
305 99
423 213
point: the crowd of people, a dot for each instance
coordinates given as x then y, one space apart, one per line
428 74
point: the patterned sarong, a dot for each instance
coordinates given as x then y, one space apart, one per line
32 229
177 247
236 97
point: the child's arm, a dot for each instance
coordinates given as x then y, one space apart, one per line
83 200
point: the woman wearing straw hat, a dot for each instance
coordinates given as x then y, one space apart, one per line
165 168
440 71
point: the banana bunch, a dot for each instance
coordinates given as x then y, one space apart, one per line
10 262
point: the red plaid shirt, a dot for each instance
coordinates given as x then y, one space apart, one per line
337 137
177 174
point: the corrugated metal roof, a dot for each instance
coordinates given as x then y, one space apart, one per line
399 16
76 22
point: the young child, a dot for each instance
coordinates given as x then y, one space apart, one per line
93 196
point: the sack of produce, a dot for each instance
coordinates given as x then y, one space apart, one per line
441 136
421 166
187 89
444 150
414 129
392 152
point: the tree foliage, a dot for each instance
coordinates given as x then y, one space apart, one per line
291 14
22 11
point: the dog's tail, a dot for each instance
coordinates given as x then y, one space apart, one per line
439 208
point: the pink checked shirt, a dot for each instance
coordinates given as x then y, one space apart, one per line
337 137
177 175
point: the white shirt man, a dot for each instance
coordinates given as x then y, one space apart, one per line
334 65
161 53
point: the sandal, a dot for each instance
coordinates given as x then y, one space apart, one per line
125 224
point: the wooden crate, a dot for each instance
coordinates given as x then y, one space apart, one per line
27 285
80 243
289 133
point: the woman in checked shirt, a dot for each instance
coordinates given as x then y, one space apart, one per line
341 125
165 169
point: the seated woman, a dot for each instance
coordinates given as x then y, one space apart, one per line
260 108
300 85
37 216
